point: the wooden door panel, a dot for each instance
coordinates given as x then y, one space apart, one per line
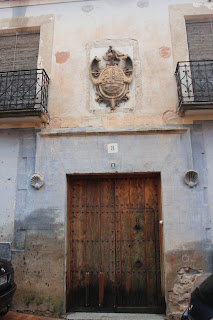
85 226
153 243
93 243
136 193
92 260
77 247
136 201
114 255
107 245
122 193
131 225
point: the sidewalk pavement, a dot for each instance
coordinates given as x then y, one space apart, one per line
86 316
20 316
113 316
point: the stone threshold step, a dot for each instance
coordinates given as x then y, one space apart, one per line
113 316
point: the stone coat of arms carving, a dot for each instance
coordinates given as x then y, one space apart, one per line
112 81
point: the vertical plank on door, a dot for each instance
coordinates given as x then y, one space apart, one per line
92 236
152 242
123 241
77 223
107 241
137 198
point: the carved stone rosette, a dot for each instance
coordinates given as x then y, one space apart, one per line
112 81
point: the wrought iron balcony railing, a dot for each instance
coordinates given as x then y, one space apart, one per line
25 90
194 85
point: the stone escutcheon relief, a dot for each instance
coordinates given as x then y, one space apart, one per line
112 80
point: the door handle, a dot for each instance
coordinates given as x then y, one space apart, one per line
138 263
137 226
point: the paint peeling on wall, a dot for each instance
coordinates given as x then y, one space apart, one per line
143 3
88 8
62 57
55 123
165 52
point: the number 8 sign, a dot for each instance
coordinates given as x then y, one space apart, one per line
112 148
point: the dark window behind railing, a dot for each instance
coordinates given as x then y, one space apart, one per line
195 81
24 90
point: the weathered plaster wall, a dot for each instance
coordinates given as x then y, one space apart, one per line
43 227
208 144
39 216
9 149
184 278
37 251
63 53
28 236
36 224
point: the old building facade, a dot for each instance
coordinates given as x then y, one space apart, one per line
104 106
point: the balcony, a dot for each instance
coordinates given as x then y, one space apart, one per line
24 96
195 87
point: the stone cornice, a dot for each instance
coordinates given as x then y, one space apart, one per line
21 3
120 131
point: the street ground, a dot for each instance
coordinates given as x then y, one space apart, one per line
114 316
21 316
86 316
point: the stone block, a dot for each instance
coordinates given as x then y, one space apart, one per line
5 252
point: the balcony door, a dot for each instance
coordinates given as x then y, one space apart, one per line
114 244
18 75
200 44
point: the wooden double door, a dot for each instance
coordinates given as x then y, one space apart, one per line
113 244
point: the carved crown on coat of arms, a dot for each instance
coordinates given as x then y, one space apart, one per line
112 80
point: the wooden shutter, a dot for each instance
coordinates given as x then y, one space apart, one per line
200 44
200 39
19 51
